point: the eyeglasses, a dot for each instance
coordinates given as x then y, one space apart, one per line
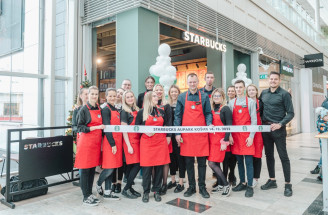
217 96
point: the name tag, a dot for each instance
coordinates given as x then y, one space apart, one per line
217 113
198 103
244 106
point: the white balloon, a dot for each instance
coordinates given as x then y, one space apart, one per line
164 50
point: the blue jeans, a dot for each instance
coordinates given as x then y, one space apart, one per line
249 168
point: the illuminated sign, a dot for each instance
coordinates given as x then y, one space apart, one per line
203 41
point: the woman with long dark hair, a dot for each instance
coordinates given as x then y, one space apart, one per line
149 84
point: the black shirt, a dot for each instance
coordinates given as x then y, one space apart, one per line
74 119
84 118
167 112
206 91
106 117
140 121
276 107
126 117
225 116
141 98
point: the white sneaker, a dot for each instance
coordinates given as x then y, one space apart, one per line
90 202
94 198
100 190
111 196
226 190
217 189
255 182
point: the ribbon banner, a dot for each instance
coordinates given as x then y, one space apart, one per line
185 129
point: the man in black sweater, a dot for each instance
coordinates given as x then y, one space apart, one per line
276 110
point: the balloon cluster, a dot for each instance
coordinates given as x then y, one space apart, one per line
241 75
163 68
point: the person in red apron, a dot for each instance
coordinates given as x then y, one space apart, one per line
149 84
230 161
219 141
118 173
194 109
252 92
111 147
154 151
243 113
88 150
162 104
131 144
177 161
209 80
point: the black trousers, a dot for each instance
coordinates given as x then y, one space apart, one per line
146 178
118 173
190 165
86 181
177 161
229 162
257 164
133 170
277 137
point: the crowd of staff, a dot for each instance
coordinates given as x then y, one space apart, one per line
154 155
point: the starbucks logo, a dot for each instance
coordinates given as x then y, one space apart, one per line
260 128
136 128
244 128
117 128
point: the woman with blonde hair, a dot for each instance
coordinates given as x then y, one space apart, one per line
219 141
154 151
252 92
131 143
163 104
177 161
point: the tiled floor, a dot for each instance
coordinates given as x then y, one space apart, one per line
303 152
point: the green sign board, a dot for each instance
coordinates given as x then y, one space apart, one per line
286 68
264 76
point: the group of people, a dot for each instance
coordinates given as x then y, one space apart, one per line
155 154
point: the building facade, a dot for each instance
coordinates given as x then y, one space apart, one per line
57 41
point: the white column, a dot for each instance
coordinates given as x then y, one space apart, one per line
49 62
87 51
307 113
255 68
224 71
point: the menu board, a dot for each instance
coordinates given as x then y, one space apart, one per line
182 78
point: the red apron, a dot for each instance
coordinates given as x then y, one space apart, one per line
109 160
194 144
216 155
88 149
258 140
154 150
135 144
170 145
240 116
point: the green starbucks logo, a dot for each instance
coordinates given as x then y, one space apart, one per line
260 128
244 128
136 128
117 128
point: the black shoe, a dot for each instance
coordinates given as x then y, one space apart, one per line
113 187
249 191
135 192
226 190
190 191
319 178
170 185
157 197
204 193
239 187
179 188
215 184
128 194
270 184
163 189
145 197
316 170
233 181
118 188
99 189
288 190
